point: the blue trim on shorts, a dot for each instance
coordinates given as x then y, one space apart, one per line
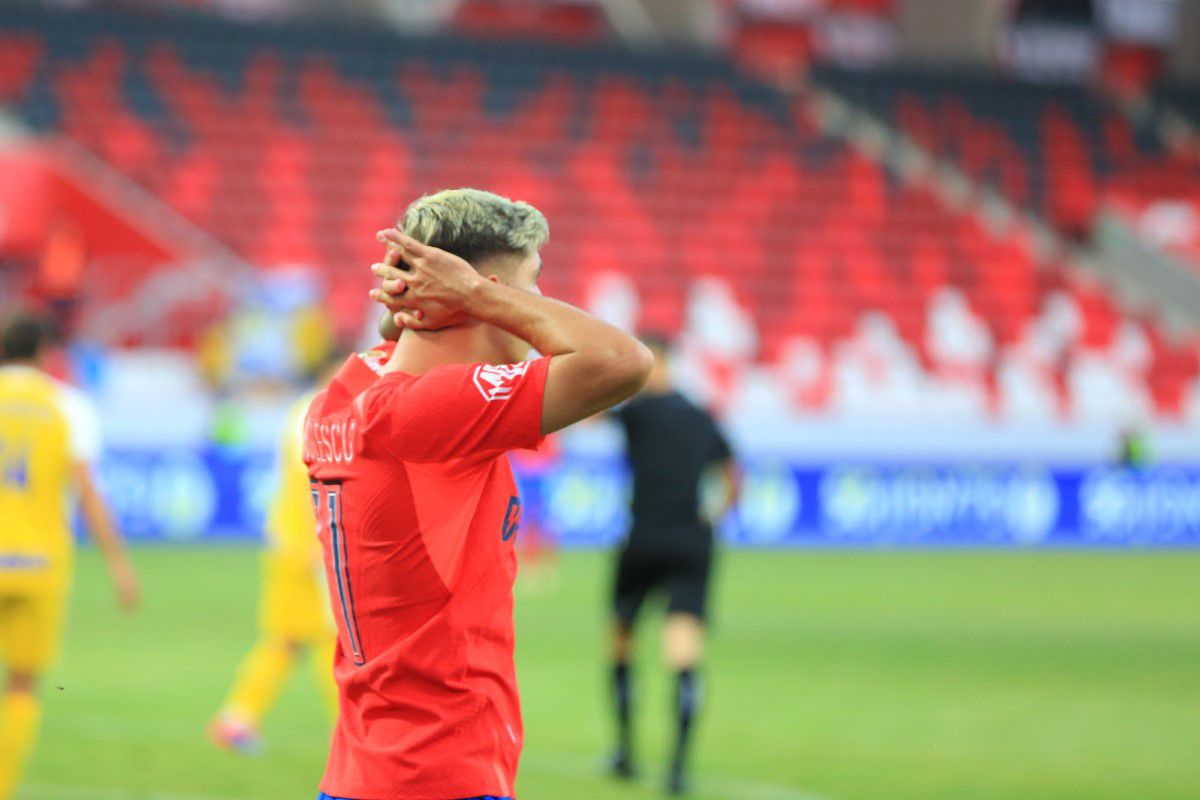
323 796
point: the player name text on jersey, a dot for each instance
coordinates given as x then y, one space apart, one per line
330 441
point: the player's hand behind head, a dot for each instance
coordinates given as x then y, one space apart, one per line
425 287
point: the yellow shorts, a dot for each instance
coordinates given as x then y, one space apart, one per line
293 604
31 626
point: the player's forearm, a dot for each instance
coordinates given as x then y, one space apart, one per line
553 327
108 541
100 527
99 520
596 365
556 328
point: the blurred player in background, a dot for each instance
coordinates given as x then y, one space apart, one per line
293 605
417 507
49 440
294 602
673 446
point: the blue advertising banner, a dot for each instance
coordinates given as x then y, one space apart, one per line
582 501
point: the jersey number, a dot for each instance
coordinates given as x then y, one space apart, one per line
328 497
14 466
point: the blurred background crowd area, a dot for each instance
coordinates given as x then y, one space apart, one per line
897 230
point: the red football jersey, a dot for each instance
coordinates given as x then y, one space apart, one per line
417 513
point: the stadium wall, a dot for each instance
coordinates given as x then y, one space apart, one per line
219 494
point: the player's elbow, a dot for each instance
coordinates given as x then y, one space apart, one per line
627 365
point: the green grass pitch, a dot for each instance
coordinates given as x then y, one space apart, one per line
846 676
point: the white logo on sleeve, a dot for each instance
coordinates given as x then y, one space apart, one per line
497 381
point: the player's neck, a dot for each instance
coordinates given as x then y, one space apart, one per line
417 352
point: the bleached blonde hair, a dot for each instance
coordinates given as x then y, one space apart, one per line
474 224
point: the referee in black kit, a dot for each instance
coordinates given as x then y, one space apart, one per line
673 447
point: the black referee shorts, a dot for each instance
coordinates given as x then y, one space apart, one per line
681 576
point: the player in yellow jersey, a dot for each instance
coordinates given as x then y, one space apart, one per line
49 437
293 610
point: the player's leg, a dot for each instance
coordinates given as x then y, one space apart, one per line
19 720
265 669
622 698
30 628
259 679
630 588
683 650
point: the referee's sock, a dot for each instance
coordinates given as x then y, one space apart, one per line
687 703
622 697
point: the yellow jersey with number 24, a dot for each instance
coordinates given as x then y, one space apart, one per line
46 428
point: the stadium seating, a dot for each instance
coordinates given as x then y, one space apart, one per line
562 21
1055 149
694 199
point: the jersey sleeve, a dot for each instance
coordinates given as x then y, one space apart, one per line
458 410
84 423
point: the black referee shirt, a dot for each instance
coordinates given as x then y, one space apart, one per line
671 444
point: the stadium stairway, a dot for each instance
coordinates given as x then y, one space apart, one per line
805 275
1056 150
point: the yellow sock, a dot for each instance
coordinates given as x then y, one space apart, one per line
259 680
18 729
322 662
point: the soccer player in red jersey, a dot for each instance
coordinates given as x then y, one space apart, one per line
416 505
